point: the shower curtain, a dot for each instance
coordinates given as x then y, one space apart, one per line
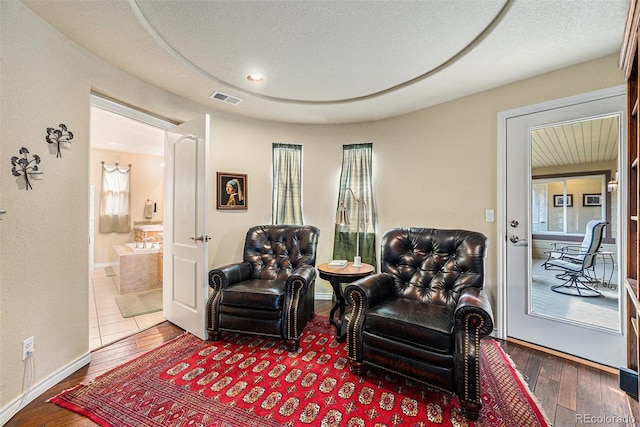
115 200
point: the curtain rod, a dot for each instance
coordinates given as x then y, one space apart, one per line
117 164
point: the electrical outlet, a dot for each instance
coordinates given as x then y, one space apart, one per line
28 348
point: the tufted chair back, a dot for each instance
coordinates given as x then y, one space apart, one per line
275 251
432 265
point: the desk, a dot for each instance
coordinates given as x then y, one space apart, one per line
336 276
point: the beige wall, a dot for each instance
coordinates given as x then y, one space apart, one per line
147 174
435 168
44 261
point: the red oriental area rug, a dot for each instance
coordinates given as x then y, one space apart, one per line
253 381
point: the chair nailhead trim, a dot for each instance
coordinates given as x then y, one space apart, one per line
352 325
216 294
476 367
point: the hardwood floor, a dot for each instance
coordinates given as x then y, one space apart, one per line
571 394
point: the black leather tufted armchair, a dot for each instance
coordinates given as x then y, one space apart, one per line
272 291
423 316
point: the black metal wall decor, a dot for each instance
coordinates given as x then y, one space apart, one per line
26 167
59 136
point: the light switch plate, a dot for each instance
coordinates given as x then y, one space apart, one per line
489 215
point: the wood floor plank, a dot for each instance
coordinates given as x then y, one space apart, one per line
613 420
551 367
547 392
589 400
519 355
616 400
532 368
568 385
564 417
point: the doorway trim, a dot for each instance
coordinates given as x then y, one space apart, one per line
130 112
503 116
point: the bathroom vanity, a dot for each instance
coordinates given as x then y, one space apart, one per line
150 232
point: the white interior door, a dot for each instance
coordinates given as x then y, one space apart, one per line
523 320
185 228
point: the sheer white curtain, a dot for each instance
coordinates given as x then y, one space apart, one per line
286 199
115 199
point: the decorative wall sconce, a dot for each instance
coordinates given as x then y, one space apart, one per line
612 185
23 166
59 136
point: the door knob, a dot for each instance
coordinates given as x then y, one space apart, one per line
514 223
518 241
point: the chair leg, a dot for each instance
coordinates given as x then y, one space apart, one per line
356 367
471 409
576 287
214 335
292 345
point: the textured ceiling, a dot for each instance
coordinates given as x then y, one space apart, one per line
337 61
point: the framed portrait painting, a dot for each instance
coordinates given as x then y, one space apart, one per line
231 190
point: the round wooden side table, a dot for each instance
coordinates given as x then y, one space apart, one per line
337 276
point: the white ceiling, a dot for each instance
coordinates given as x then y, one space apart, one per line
337 61
115 132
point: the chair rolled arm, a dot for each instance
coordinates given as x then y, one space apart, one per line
362 295
300 278
373 289
473 320
473 313
220 278
297 285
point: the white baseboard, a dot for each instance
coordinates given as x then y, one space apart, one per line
324 296
23 400
103 265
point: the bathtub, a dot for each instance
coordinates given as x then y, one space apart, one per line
152 227
136 268
136 247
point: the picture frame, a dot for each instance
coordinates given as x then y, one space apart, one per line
559 200
231 191
592 199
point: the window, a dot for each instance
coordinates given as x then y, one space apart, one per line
115 200
286 198
565 204
356 175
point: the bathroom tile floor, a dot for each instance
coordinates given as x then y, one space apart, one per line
106 324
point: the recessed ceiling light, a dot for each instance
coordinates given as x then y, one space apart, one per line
255 78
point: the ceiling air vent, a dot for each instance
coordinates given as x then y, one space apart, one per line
225 98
